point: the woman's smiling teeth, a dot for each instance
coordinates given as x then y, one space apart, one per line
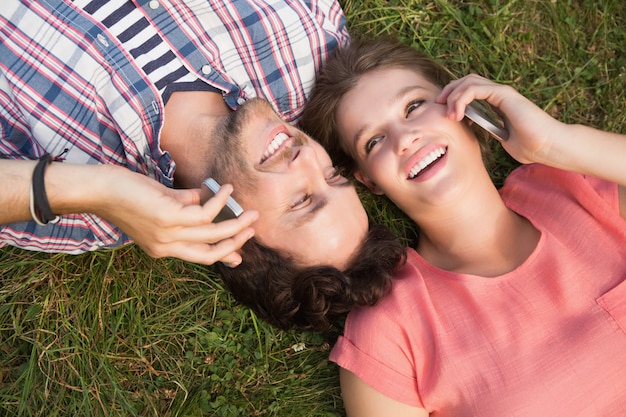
426 161
278 140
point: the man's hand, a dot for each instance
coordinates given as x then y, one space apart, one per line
163 221
168 222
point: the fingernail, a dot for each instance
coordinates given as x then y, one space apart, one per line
231 264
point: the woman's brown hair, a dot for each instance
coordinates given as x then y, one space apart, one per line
341 73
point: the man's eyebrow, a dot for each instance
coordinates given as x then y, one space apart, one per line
317 207
311 213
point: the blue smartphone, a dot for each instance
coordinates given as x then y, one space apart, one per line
231 210
481 113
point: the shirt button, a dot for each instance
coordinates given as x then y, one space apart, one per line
206 69
241 100
154 4
103 40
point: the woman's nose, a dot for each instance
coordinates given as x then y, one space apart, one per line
404 137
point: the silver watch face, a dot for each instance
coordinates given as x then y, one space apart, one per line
487 119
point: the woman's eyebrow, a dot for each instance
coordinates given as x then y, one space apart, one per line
402 94
359 134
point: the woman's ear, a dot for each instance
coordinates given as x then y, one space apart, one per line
365 180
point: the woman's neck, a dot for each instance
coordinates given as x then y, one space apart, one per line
479 237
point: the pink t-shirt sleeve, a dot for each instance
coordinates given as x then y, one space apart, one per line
555 185
375 346
386 379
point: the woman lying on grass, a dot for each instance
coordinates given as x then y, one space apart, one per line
512 302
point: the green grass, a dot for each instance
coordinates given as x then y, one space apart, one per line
116 333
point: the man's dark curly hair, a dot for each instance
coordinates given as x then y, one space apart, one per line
287 295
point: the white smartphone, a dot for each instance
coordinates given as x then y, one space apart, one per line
231 210
481 113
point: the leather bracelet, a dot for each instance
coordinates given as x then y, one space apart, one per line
39 206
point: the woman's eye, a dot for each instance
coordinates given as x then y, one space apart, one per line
369 145
413 105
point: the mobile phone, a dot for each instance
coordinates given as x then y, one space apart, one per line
231 210
481 113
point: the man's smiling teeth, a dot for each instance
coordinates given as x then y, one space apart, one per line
427 160
278 140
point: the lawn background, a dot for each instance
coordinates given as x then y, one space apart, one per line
116 333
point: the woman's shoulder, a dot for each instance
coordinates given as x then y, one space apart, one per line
536 185
544 176
404 300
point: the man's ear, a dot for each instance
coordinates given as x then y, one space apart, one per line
365 180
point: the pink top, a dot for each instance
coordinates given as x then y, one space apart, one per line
547 339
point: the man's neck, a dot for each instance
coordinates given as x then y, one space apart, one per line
190 116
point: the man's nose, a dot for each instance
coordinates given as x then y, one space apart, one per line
304 156
306 161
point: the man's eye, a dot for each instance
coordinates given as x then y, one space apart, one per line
369 145
413 105
334 176
302 203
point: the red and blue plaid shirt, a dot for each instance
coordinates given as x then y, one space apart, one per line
67 83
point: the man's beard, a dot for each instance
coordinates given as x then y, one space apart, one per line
228 158
229 161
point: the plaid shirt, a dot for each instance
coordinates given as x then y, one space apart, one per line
66 83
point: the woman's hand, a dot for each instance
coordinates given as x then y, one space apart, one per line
532 132
534 136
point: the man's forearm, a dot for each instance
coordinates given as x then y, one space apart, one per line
15 190
70 188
